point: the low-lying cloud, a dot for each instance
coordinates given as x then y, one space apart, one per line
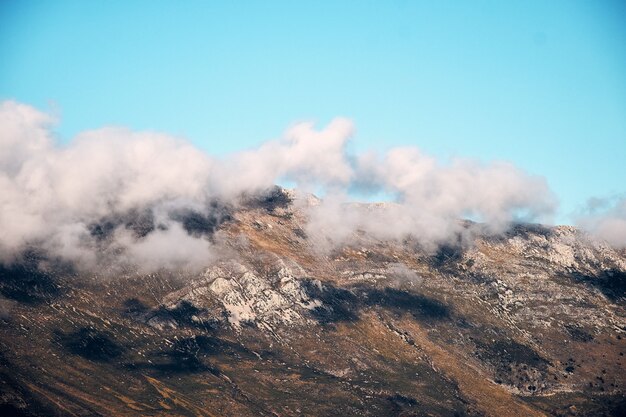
606 218
153 200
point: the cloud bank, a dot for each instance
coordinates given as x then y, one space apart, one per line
153 200
606 218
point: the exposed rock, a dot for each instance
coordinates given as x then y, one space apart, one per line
530 322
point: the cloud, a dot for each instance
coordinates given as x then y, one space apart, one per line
52 194
431 198
114 196
401 274
156 250
606 219
305 156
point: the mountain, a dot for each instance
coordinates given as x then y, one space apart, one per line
529 322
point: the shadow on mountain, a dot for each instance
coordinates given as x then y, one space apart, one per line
102 229
513 362
446 256
271 200
191 355
140 222
343 305
418 305
401 405
16 399
338 304
11 410
181 362
527 230
216 346
197 223
25 282
134 308
300 233
524 231
578 334
90 344
184 313
611 283
509 351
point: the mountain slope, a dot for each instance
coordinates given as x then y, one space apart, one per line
530 323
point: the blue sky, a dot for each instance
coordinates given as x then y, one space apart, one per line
539 83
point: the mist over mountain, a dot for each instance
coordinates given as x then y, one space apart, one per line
114 193
529 321
312 209
142 276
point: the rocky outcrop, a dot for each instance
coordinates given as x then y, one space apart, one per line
530 322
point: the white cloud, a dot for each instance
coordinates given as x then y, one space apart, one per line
606 219
431 198
64 198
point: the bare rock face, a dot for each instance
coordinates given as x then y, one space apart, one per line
527 323
249 298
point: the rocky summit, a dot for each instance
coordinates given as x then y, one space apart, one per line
529 322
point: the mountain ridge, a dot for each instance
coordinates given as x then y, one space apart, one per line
530 321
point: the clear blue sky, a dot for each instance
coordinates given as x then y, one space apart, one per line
538 83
